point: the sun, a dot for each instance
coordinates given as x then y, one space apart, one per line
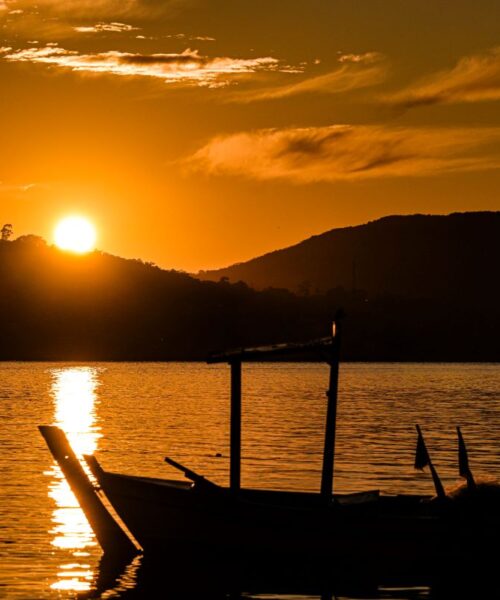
75 234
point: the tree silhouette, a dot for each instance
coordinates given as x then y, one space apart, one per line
35 241
6 232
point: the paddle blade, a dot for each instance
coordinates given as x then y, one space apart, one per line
463 458
463 462
421 455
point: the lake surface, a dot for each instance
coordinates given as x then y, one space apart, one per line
133 414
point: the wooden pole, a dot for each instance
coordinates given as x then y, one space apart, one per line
109 534
331 420
235 431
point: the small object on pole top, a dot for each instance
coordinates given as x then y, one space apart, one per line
337 321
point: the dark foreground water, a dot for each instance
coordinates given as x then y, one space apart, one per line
133 414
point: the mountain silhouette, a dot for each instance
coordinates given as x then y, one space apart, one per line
418 256
414 288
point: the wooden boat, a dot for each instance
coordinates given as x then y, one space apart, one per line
199 518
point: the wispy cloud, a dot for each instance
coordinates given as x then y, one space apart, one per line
345 152
59 19
366 58
191 38
188 67
355 72
474 78
101 8
6 187
114 27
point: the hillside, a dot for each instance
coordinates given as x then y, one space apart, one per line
58 306
450 257
55 305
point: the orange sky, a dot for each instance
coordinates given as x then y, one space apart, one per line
198 133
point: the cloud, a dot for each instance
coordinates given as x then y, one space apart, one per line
57 19
93 8
194 38
347 152
203 38
366 58
473 79
17 187
114 27
355 72
188 67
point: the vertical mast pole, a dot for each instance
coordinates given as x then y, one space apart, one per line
235 429
331 417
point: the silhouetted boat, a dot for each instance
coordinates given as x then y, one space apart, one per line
198 518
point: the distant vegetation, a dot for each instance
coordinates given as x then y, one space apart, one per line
413 288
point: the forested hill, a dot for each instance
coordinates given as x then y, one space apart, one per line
419 256
58 306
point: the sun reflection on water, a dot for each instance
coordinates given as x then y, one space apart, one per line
74 390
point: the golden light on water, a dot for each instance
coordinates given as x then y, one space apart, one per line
75 234
74 393
74 390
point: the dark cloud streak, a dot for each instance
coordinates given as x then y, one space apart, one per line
345 152
474 79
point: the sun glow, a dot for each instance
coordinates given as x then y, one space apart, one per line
75 234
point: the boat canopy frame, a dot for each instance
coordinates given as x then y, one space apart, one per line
326 349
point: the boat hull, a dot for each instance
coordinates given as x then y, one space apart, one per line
171 517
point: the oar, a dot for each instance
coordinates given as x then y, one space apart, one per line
109 533
422 459
192 475
463 462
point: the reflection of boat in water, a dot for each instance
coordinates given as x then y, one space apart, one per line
174 577
199 519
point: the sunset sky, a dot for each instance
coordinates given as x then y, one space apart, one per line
199 133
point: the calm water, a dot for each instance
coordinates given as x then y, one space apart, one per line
133 414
